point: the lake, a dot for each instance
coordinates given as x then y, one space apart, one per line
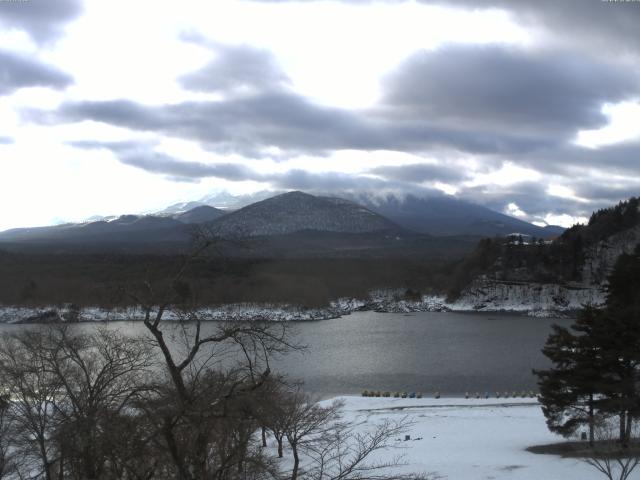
424 352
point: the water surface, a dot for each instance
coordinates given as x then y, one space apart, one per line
424 352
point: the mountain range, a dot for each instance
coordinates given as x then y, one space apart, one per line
337 220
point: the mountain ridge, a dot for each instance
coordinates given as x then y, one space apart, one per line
283 214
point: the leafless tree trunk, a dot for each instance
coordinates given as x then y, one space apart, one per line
202 395
34 391
343 453
614 460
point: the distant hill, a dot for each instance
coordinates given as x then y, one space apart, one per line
127 228
450 216
297 211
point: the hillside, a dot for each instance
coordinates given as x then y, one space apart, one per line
126 228
199 214
574 267
296 211
446 215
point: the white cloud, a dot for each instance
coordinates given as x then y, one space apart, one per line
624 124
513 210
564 220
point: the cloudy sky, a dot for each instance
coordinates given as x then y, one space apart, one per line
110 107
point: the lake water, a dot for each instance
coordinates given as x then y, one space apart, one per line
424 352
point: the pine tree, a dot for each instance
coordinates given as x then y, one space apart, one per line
569 391
596 363
619 337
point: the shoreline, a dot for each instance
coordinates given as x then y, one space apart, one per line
69 313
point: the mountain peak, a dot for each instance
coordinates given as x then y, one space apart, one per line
297 211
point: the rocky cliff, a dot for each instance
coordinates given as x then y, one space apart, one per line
491 292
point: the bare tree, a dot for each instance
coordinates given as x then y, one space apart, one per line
344 453
609 456
99 374
198 416
187 401
34 390
8 458
68 394
305 422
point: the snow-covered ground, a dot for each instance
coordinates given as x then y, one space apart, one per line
461 439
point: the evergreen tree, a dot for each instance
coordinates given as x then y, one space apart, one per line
596 363
569 390
619 336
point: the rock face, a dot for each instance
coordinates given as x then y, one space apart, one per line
486 293
296 211
601 257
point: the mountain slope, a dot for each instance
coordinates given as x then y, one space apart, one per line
200 214
124 228
296 211
451 216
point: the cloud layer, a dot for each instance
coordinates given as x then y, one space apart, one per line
454 116
18 71
43 20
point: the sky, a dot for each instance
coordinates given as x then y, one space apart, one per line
531 108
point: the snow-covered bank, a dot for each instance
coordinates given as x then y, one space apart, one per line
463 439
383 301
388 301
235 312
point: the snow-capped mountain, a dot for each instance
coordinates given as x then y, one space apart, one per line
297 211
336 221
201 214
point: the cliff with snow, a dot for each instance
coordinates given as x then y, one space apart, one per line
551 279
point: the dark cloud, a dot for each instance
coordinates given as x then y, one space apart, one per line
606 192
573 160
484 100
165 164
241 69
324 182
606 26
422 172
143 156
610 27
243 125
18 71
491 88
43 20
530 197
252 124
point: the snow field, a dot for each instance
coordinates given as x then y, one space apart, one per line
470 439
